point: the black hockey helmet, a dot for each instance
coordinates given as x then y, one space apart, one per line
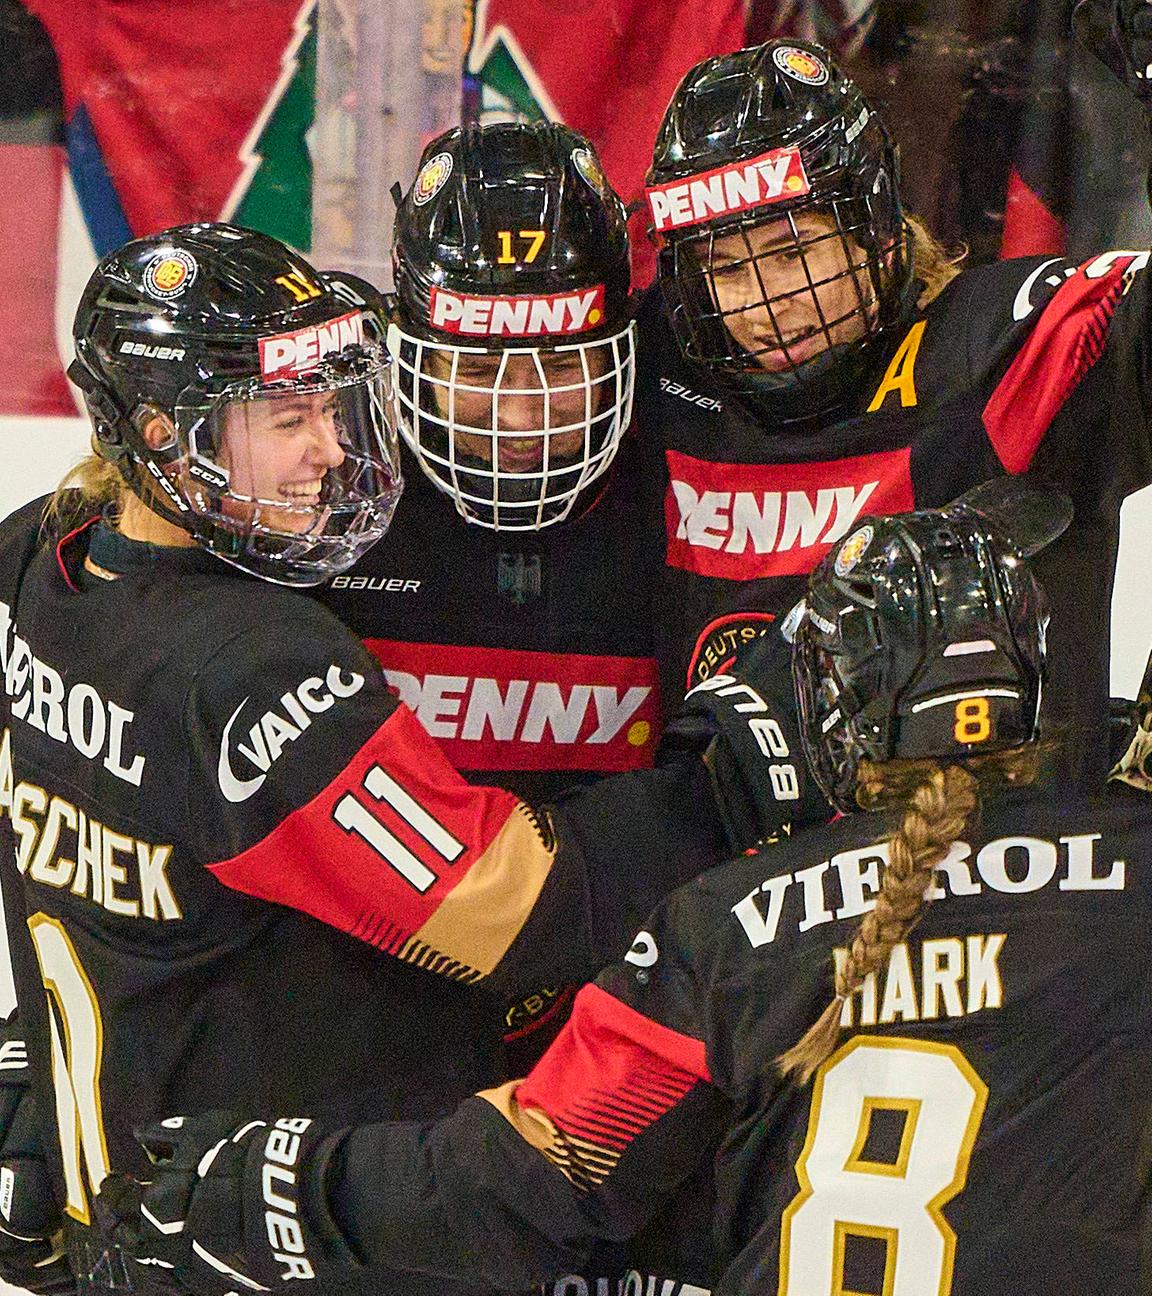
512 342
231 338
784 256
922 635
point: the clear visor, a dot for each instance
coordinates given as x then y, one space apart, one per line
292 479
513 435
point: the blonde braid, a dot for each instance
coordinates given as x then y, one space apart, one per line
938 803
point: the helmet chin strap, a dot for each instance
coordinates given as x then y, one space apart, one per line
142 520
847 382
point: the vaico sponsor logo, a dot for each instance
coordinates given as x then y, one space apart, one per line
746 521
523 316
770 178
512 709
287 354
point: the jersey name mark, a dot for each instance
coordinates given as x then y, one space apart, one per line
59 846
950 976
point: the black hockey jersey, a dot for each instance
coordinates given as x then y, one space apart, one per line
1032 364
241 859
528 656
980 1129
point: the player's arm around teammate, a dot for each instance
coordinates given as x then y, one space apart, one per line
986 1031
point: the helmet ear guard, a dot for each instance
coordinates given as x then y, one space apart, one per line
922 636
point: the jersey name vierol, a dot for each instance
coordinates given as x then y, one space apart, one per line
77 714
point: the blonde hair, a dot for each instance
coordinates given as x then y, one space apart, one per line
933 265
937 801
92 486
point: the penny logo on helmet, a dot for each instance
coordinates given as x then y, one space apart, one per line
775 176
519 316
432 178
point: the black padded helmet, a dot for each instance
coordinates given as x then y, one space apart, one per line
770 135
922 635
209 326
512 286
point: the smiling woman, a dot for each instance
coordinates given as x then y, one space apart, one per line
273 450
239 850
821 295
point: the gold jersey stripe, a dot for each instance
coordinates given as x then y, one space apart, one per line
483 914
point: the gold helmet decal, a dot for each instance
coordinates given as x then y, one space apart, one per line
801 65
169 273
590 169
432 178
852 550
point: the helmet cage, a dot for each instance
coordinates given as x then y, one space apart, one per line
862 265
576 421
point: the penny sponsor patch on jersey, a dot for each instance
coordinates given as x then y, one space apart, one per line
748 521
776 176
513 709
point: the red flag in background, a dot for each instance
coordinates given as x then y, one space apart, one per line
604 67
32 163
165 105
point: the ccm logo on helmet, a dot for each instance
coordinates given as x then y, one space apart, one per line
526 316
770 178
287 354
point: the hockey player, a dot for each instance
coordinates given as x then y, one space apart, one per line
510 605
814 357
919 1045
241 860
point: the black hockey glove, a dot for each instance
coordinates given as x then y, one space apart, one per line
1119 33
31 1244
226 1207
743 721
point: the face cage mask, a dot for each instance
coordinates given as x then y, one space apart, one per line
792 319
832 754
290 480
568 406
